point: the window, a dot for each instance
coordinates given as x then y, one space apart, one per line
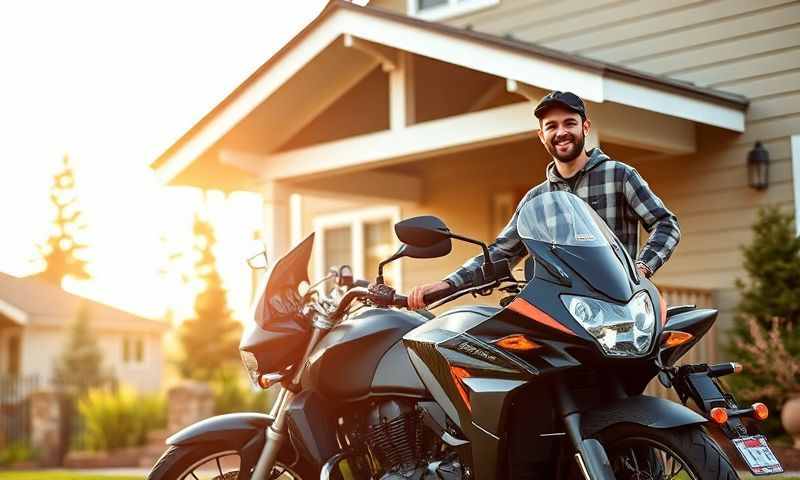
361 239
796 180
338 246
442 9
132 350
139 354
13 356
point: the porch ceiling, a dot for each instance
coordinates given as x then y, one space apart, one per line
236 145
11 316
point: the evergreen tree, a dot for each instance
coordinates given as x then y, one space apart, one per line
772 263
210 340
61 251
768 312
79 367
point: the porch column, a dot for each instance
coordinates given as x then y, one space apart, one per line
593 139
277 219
401 93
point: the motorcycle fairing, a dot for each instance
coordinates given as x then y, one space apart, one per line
697 322
310 426
441 351
348 359
279 334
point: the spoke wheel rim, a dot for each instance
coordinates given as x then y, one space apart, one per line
212 467
641 458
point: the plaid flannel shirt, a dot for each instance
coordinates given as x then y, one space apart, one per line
618 194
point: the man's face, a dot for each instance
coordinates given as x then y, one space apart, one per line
563 133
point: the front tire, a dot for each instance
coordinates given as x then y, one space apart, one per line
215 461
638 452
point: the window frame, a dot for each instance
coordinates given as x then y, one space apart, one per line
133 350
355 219
14 361
795 144
453 8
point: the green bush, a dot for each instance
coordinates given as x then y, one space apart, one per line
14 453
233 393
120 418
766 333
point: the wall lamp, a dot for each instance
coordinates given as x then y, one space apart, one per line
758 167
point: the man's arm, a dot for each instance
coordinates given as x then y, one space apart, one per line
507 246
661 223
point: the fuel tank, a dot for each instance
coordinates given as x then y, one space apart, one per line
364 356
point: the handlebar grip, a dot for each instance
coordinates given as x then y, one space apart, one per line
429 298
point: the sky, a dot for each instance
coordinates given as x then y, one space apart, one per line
113 84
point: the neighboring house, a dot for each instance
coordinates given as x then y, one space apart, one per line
425 106
35 318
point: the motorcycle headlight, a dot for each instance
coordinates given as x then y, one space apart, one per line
621 330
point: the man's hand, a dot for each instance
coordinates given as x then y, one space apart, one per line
415 301
644 270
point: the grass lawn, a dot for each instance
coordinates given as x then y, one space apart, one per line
51 475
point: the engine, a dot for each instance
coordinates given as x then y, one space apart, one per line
400 447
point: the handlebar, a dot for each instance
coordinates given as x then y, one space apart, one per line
382 295
385 296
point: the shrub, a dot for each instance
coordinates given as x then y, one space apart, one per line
14 453
121 418
766 334
771 359
234 394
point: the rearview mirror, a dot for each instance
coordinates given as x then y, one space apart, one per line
436 250
425 231
439 249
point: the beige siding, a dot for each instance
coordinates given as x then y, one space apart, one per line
398 6
742 46
42 347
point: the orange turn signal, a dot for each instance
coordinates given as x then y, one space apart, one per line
518 343
719 415
737 367
760 411
459 374
673 338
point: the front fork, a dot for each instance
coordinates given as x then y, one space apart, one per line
277 433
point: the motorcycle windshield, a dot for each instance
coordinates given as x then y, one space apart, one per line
280 299
563 225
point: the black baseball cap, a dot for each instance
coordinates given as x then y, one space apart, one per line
565 99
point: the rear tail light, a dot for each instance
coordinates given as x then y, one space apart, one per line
760 411
719 415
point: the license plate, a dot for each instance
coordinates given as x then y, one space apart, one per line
757 454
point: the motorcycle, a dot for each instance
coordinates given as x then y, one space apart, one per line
549 383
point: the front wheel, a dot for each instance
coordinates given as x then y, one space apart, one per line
215 462
686 453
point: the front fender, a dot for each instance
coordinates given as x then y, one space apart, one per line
643 410
233 430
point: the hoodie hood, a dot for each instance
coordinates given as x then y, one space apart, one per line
596 157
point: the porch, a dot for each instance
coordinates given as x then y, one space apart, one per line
12 322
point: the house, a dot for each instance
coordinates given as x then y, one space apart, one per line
34 322
405 107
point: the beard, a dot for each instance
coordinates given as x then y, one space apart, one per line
576 147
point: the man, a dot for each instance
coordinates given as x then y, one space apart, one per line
613 189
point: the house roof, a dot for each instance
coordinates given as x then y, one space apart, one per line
34 302
606 70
